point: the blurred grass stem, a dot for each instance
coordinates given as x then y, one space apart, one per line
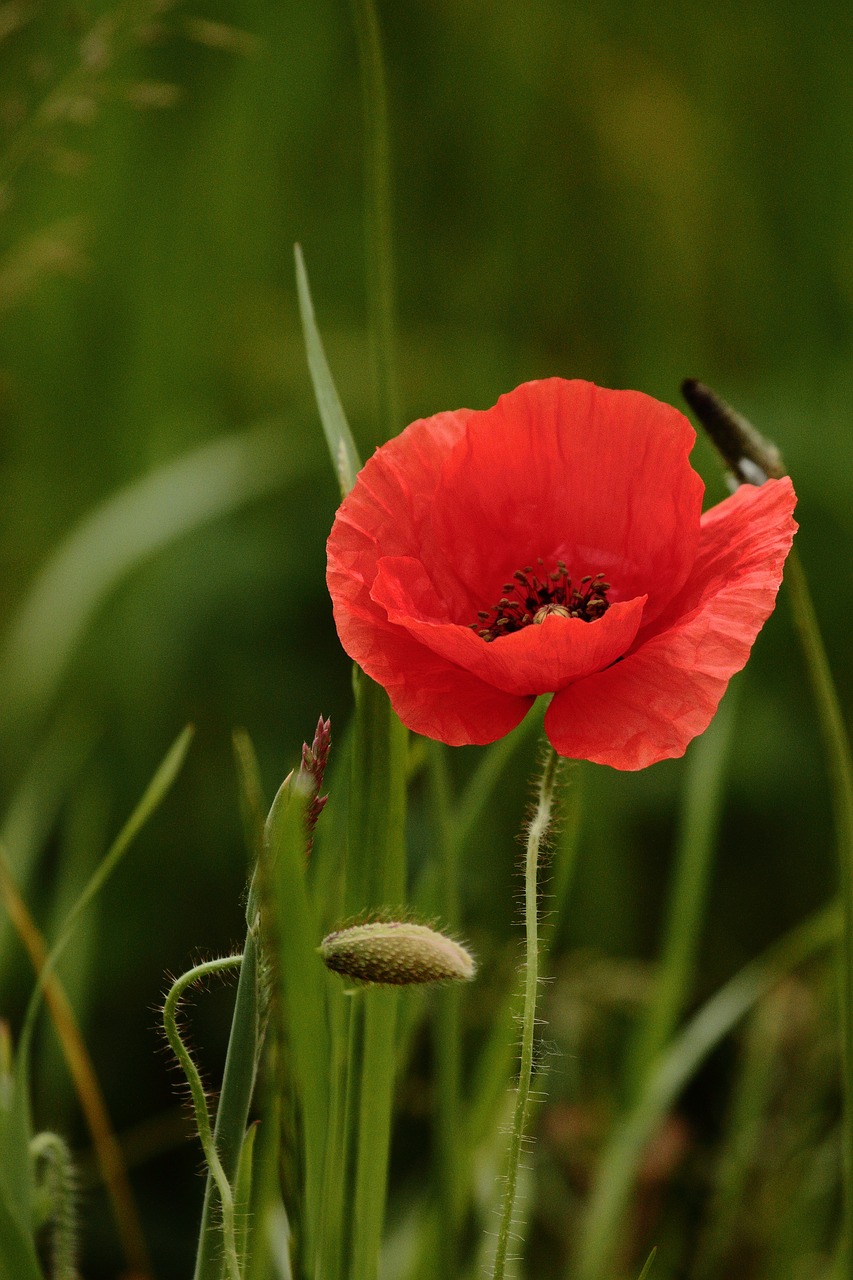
604 1224
738 441
379 221
700 817
447 1028
840 766
84 1077
536 833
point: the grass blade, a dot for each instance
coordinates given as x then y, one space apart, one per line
301 982
115 539
700 817
380 246
377 879
243 1197
447 1023
85 1080
606 1209
650 1262
840 768
339 439
241 1058
17 1252
153 796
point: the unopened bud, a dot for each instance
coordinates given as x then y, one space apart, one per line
396 953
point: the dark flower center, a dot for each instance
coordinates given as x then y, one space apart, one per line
533 595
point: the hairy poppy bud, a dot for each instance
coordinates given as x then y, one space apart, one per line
396 953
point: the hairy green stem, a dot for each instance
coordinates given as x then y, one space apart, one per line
536 832
199 1101
234 1100
57 1186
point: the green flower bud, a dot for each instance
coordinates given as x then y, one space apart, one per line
396 953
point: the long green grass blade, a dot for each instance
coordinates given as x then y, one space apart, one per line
241 1059
606 1211
115 539
745 1129
15 1129
243 1197
738 442
700 817
154 794
840 768
377 880
33 807
16 1182
447 1022
232 1113
374 1129
381 288
301 982
17 1252
650 1262
339 439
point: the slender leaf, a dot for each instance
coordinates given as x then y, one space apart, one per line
712 1023
243 1196
302 983
241 1059
115 539
700 818
32 808
16 1183
153 796
447 1022
381 288
650 1261
17 1252
377 880
339 439
836 743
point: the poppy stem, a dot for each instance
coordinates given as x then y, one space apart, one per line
537 831
199 1102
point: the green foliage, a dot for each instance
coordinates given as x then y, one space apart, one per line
631 195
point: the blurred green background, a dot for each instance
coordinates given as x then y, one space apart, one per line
626 193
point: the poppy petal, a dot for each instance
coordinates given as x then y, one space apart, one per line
385 512
534 660
567 470
429 694
649 706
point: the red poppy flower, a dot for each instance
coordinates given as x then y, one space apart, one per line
554 544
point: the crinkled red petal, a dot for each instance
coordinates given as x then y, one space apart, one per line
649 706
567 470
385 514
386 511
429 694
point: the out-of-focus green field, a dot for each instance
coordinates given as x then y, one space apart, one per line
630 194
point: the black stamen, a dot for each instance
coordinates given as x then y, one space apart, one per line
538 596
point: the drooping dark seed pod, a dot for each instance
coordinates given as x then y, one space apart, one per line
747 454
